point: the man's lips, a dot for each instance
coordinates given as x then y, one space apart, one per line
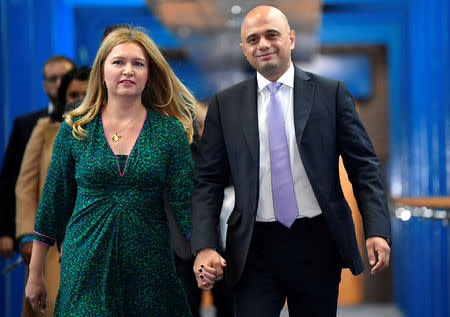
266 55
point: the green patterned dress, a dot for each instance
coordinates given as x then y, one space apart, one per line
117 257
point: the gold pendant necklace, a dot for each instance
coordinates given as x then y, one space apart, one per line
116 136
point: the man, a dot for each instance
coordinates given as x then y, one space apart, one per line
279 136
54 69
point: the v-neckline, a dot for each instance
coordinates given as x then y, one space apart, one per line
121 173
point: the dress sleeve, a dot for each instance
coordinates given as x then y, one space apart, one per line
58 196
27 186
180 180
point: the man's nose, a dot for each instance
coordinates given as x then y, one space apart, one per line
263 43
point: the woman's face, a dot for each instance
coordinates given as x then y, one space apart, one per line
76 90
125 70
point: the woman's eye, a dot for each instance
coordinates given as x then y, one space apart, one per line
117 62
139 64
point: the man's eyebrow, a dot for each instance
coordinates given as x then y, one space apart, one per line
265 32
272 30
250 36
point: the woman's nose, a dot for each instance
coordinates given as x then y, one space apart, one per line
128 68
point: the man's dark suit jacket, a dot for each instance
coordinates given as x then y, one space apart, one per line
326 126
21 132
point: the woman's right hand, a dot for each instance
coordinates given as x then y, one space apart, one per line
36 291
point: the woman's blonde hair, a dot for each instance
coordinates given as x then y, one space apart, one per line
164 92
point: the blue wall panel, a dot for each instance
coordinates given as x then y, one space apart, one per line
94 20
364 26
429 97
25 47
418 58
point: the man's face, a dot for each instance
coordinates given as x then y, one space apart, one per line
53 73
267 42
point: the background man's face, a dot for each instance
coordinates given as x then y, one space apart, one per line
53 73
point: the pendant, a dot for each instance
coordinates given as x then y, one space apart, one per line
116 136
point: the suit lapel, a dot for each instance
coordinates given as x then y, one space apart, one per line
303 100
249 116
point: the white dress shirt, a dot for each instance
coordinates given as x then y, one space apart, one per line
50 107
306 200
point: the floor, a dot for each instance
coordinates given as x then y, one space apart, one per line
366 310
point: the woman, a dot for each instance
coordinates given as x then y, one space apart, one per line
113 158
30 181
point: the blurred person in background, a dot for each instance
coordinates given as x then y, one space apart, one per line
113 158
33 172
54 69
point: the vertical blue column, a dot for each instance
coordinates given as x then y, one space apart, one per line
63 37
440 277
16 60
398 262
429 82
4 131
445 289
41 33
25 45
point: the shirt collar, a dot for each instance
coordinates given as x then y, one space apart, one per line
286 79
50 107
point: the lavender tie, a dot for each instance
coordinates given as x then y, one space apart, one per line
284 202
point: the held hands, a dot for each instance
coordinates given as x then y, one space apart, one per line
36 291
208 268
6 246
378 252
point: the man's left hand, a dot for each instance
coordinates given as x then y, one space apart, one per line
378 252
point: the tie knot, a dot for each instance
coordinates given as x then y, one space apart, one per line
273 87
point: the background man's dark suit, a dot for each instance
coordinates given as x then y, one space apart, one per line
21 132
326 126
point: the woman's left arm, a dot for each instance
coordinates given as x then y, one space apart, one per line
180 179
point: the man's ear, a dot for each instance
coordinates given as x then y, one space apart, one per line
292 39
243 49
